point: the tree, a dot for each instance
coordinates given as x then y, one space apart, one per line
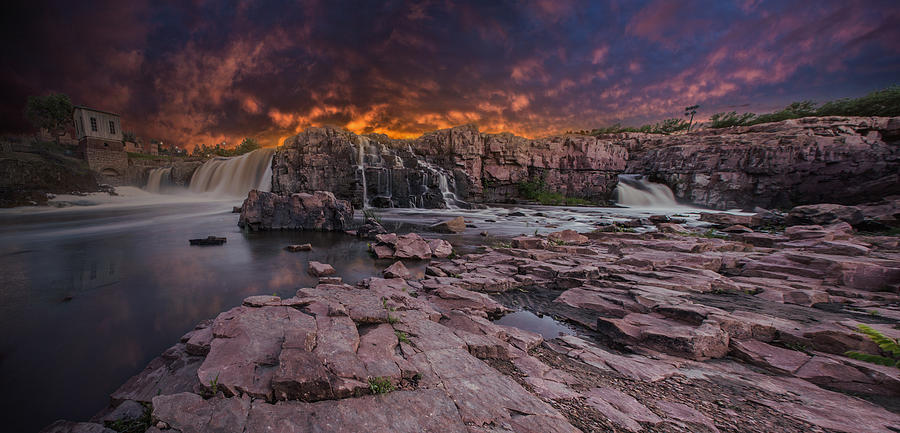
51 112
692 110
246 146
129 136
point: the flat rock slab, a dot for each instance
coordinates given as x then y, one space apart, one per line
317 269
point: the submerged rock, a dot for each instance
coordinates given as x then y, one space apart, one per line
319 211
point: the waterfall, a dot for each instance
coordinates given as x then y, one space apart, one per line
361 168
159 179
235 176
449 196
636 190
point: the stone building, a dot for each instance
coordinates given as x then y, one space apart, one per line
100 143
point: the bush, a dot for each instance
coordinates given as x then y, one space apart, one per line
885 103
888 345
727 120
536 190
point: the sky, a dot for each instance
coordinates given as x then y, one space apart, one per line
192 72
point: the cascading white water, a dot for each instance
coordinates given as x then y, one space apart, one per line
449 196
235 176
158 178
636 190
361 167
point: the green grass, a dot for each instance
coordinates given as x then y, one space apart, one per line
402 337
888 346
535 189
135 425
380 385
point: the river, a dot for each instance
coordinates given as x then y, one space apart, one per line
91 292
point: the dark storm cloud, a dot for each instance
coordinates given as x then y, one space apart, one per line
192 72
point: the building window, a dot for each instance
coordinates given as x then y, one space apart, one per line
94 124
112 127
81 124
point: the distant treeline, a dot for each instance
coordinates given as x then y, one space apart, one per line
246 146
885 103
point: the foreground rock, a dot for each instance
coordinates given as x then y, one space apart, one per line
675 333
319 211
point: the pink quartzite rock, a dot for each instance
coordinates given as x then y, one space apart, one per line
411 246
454 225
317 269
440 248
397 270
568 237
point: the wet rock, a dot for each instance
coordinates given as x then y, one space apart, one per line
127 410
370 228
75 427
397 270
411 246
172 372
317 269
299 247
453 225
824 214
568 237
319 211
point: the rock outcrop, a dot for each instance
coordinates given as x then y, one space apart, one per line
783 164
319 211
407 354
444 168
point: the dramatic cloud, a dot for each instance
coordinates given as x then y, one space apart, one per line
204 72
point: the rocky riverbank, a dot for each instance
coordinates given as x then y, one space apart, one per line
676 329
781 164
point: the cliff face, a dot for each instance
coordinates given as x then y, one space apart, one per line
783 164
813 160
444 168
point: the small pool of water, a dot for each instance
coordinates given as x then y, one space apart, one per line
547 326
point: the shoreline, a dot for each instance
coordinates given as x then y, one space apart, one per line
664 340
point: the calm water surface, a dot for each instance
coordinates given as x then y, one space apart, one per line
136 286
90 294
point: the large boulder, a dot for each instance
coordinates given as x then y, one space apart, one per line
319 211
824 214
453 225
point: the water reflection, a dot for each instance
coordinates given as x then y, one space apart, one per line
136 286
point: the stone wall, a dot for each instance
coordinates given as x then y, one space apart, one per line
110 165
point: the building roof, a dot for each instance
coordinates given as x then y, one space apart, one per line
96 110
